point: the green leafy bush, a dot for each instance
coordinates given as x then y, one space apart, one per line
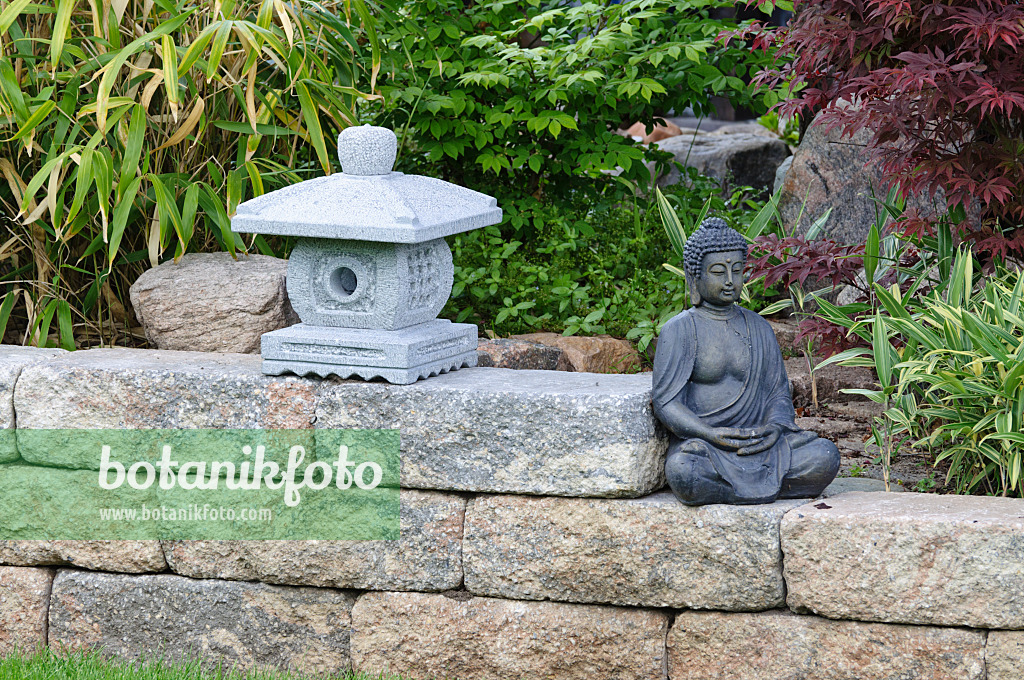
586 271
132 130
523 99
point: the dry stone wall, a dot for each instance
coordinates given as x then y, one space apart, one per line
536 542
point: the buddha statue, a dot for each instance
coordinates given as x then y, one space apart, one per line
721 390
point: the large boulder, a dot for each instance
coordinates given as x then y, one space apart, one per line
211 302
743 157
830 171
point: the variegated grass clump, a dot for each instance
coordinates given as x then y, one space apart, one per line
951 370
130 131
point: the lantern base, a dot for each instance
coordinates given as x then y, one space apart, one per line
400 357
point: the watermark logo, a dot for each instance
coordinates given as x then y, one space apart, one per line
201 485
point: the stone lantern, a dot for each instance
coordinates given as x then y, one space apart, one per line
370 269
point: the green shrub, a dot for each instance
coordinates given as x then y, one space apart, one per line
132 130
585 271
523 99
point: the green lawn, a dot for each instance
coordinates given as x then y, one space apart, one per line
45 665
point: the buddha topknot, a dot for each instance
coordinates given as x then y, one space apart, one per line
713 236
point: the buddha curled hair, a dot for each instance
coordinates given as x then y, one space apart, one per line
713 236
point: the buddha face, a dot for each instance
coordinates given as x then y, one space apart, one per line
721 277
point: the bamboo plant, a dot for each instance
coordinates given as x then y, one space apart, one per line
130 130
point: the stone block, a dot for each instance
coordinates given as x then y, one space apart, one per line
841 485
1004 655
248 625
521 355
212 302
399 356
13 359
24 599
652 551
51 503
433 636
783 646
146 389
366 284
908 558
129 557
596 354
501 431
428 556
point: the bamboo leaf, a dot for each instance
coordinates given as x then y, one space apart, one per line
182 133
310 114
871 250
818 226
28 128
12 90
169 57
255 178
132 148
776 306
196 48
5 311
166 205
188 215
65 327
41 331
113 67
673 227
769 211
371 34
60 29
220 42
7 17
120 221
883 351
82 184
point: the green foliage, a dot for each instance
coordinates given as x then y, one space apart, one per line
585 271
523 99
132 130
788 129
951 369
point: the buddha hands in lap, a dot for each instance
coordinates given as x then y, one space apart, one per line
721 390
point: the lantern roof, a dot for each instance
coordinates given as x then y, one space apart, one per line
368 201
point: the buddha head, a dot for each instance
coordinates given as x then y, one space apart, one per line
714 258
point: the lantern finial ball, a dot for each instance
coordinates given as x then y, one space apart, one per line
367 150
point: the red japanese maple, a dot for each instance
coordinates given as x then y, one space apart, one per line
939 84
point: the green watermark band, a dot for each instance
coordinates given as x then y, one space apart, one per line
200 485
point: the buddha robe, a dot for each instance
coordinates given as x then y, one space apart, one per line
798 465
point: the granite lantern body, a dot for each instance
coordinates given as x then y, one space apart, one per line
370 270
721 390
